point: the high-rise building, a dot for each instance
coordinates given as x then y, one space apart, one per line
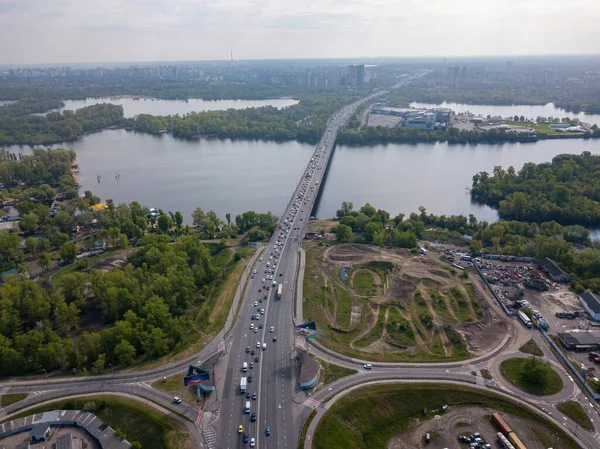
356 75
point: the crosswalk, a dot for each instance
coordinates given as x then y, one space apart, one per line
597 437
311 403
206 427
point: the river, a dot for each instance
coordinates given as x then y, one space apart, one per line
132 107
239 175
528 111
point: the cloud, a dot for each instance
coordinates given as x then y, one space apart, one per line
124 30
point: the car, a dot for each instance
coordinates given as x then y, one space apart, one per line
274 338
259 290
254 396
251 365
264 346
247 349
248 395
266 295
245 438
268 288
268 431
256 358
256 330
272 329
368 366
252 326
252 352
254 272
427 437
253 417
255 303
249 379
258 344
252 442
280 274
260 259
252 277
240 429
260 326
177 400
262 312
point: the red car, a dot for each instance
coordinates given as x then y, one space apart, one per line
268 287
259 290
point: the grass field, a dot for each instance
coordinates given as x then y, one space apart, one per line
174 387
305 427
575 411
138 421
331 372
11 398
531 348
370 416
513 369
392 306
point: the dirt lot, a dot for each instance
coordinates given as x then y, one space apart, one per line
393 305
464 421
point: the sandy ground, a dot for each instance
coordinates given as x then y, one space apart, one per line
446 428
412 272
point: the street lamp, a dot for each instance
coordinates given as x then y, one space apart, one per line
46 374
111 368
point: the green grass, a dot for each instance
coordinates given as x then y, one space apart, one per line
544 128
438 302
364 283
139 422
398 329
174 386
376 332
513 371
531 348
344 306
575 411
11 398
461 305
370 416
485 373
331 372
305 427
72 268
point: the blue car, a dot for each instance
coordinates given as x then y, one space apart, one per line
268 431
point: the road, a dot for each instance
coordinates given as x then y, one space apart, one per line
273 371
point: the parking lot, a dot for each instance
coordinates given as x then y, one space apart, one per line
383 120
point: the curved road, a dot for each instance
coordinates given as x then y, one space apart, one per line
273 373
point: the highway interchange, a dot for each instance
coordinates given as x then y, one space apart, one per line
273 372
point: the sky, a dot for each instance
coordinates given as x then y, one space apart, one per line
62 31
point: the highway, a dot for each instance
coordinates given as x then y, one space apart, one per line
272 369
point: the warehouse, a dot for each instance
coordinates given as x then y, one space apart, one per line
580 341
591 303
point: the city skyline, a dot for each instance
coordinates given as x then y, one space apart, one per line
135 31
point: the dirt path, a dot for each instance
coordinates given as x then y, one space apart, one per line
418 340
448 349
368 327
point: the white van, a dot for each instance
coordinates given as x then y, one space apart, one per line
245 367
247 409
264 346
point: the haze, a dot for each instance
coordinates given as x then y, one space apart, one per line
42 31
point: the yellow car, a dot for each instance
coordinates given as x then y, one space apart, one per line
240 428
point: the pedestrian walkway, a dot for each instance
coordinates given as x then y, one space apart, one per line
311 403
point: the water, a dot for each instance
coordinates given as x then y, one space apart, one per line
400 177
236 176
164 172
528 111
132 107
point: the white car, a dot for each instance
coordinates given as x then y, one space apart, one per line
255 303
272 329
252 326
368 366
258 344
252 442
254 272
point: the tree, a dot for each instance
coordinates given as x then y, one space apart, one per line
368 210
44 261
475 246
164 223
63 221
345 210
343 233
68 252
125 353
31 244
228 218
99 364
198 216
29 222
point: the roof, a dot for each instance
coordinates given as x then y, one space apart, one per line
580 338
550 266
64 441
592 301
40 429
99 207
308 367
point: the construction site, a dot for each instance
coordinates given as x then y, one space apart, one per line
391 305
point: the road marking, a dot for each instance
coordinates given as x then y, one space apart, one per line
311 403
199 418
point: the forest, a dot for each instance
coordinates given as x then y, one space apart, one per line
256 123
570 245
141 310
56 126
566 190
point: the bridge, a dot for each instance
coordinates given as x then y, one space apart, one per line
268 344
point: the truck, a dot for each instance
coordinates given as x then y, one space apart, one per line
279 291
504 441
243 384
524 318
501 424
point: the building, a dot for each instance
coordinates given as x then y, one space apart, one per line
40 432
356 75
420 120
591 303
580 341
309 370
553 270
